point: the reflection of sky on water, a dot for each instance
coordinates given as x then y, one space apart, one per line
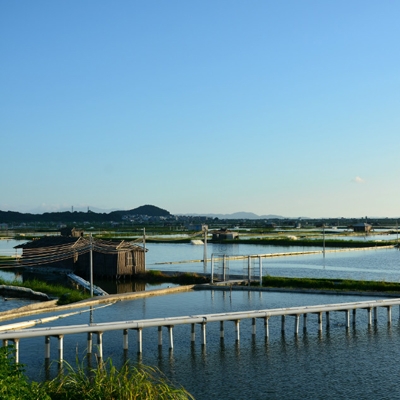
360 264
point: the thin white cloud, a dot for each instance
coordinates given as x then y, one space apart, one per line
357 179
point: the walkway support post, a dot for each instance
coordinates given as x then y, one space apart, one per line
369 316
139 340
47 347
60 347
296 324
266 327
193 333
203 333
221 329
260 269
237 329
100 344
328 323
16 348
125 339
160 335
283 317
253 326
171 336
320 322
389 314
305 322
89 342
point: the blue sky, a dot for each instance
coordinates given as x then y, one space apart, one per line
288 108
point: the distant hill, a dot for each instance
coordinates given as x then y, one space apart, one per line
79 216
151 211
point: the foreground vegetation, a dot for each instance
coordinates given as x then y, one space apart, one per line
104 382
330 284
64 294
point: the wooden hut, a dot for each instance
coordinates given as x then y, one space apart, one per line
110 259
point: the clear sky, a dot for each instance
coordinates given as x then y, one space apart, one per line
213 106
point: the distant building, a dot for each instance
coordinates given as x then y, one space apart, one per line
224 234
362 227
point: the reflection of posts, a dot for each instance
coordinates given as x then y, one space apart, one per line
224 268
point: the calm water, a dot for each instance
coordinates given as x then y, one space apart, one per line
359 363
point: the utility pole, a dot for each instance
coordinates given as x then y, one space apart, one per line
91 265
144 248
205 230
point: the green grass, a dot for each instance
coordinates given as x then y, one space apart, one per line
64 294
104 382
330 284
107 382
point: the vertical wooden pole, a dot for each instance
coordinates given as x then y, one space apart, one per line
139 340
171 337
221 329
237 329
125 339
47 347
89 342
266 327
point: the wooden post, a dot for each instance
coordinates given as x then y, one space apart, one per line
347 319
47 347
203 333
171 336
100 344
139 340
237 329
283 323
369 316
304 322
328 322
160 335
389 314
89 342
266 327
296 324
125 342
221 329
320 322
253 324
16 347
193 335
60 347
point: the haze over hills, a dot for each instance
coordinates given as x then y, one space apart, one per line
238 215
